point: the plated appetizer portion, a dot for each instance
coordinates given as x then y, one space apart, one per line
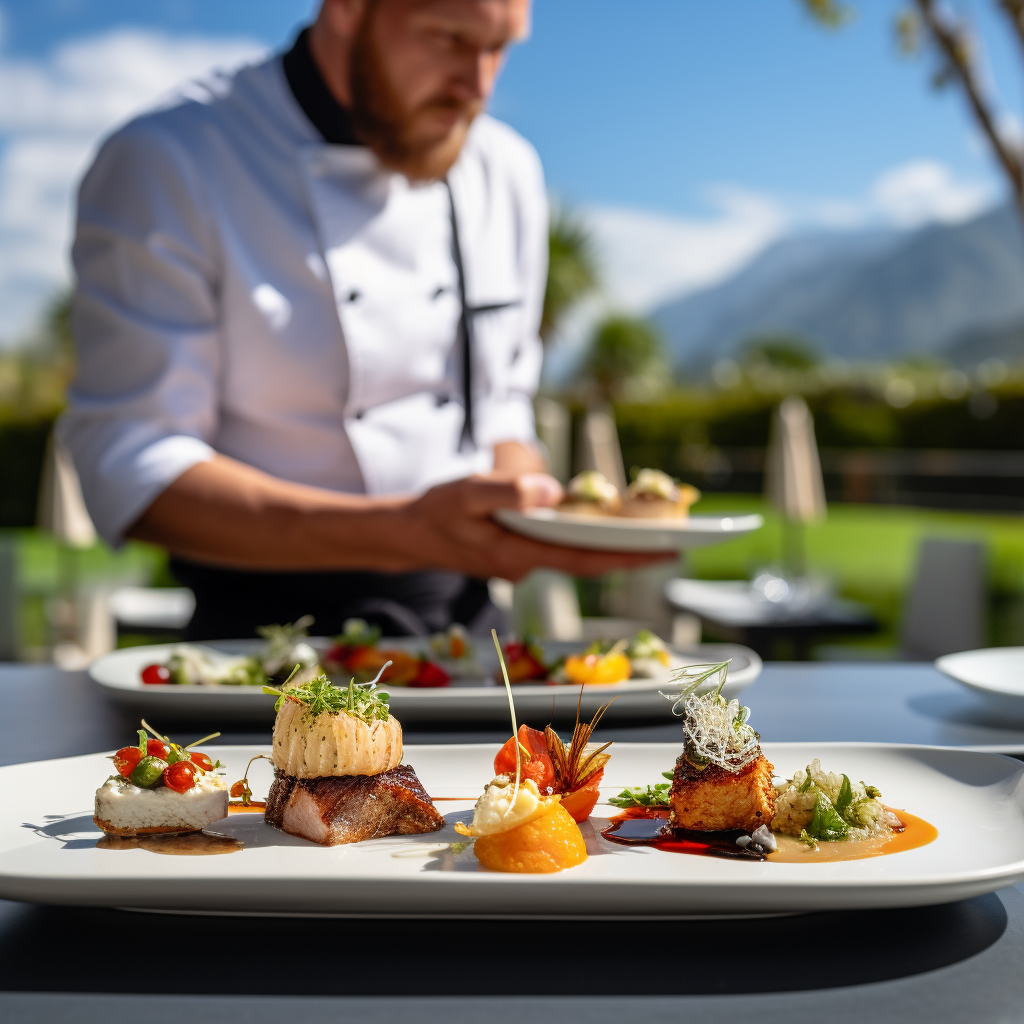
603 662
651 495
591 494
723 799
160 787
526 820
655 495
339 775
286 647
355 654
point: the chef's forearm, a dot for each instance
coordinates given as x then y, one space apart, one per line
227 513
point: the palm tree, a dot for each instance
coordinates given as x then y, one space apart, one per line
572 269
626 358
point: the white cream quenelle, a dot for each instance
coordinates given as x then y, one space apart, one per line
309 747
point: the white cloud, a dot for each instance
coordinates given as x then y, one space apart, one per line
925 190
648 256
52 113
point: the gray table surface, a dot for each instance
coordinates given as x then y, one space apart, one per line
957 962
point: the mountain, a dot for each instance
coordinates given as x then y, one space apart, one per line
864 295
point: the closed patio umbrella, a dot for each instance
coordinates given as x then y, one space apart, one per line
793 480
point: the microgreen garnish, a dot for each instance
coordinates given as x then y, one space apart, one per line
515 725
321 697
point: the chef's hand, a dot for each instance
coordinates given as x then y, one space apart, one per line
451 526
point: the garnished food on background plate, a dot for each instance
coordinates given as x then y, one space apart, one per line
596 667
603 662
455 652
286 647
518 828
655 495
355 653
339 775
723 800
523 661
591 494
160 787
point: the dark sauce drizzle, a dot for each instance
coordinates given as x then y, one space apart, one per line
659 833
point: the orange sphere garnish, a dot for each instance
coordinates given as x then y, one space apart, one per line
550 843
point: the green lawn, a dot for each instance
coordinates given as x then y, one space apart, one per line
869 552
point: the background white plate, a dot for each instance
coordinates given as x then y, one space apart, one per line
995 674
118 673
48 848
619 533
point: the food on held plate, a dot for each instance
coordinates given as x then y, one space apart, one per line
286 647
160 787
591 494
339 775
655 495
355 653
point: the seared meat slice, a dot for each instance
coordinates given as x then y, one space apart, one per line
350 808
713 799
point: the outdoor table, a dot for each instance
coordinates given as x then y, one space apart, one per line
729 612
955 962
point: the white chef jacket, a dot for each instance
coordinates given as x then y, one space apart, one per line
247 288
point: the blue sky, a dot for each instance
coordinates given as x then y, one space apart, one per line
690 132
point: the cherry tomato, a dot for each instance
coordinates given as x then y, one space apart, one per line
430 674
538 767
157 749
180 776
126 759
201 760
154 674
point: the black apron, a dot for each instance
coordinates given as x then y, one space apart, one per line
231 603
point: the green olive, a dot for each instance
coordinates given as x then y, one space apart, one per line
148 771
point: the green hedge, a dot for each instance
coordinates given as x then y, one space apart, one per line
22 449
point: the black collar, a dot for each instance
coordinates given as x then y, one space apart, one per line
310 90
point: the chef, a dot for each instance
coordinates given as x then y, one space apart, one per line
306 316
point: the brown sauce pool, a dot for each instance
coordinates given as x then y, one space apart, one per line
646 826
185 844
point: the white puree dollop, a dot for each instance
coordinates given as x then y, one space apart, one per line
494 811
131 807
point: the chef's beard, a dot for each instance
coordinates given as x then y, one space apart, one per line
388 127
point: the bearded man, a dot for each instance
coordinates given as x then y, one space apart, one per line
306 317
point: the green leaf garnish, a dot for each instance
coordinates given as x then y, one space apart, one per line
321 697
845 797
645 796
827 823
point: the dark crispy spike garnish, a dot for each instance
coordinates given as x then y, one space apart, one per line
572 764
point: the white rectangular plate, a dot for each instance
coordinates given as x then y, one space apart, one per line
48 851
621 533
118 674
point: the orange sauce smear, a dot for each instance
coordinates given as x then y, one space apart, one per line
252 807
915 832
